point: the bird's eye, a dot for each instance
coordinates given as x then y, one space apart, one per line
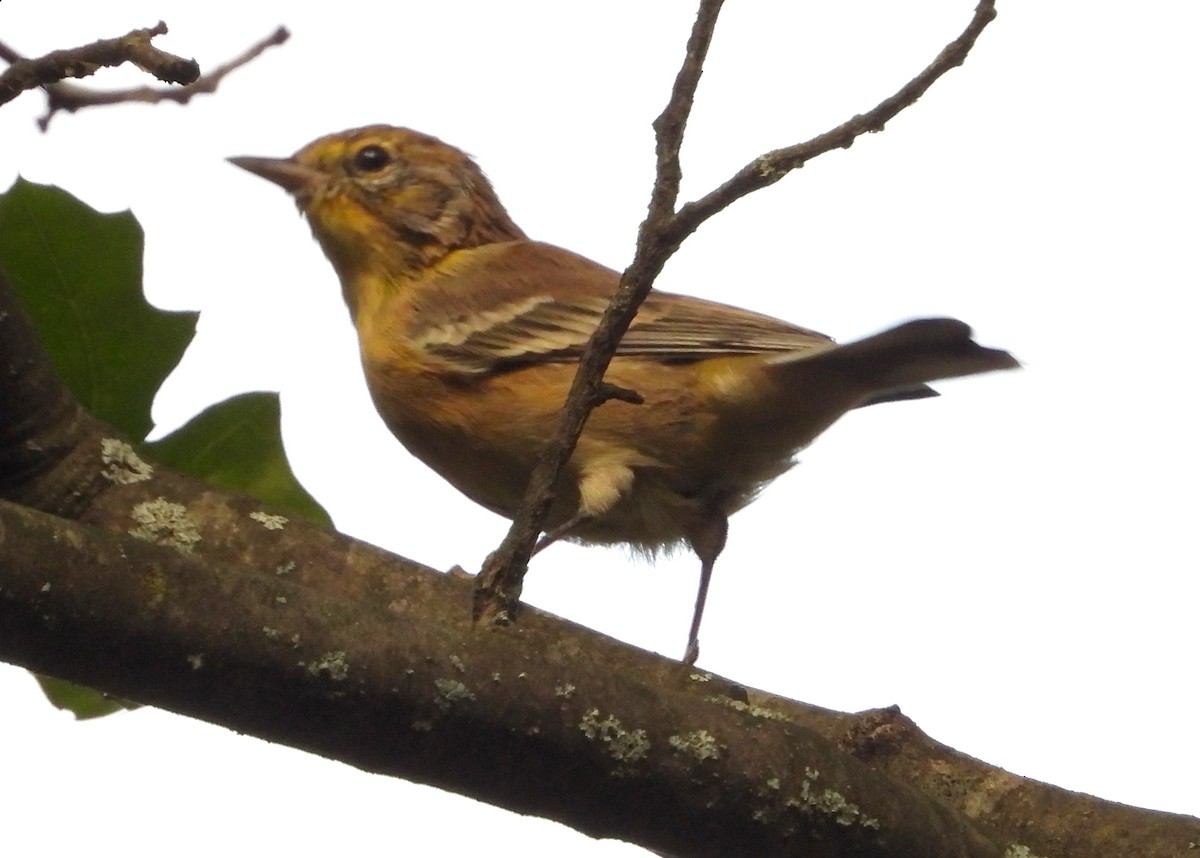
371 158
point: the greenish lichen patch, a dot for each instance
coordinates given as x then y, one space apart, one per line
566 691
700 744
165 523
269 521
450 692
625 745
1016 850
833 803
829 802
122 464
748 708
332 664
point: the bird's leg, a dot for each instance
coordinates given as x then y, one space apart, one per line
557 533
707 540
600 488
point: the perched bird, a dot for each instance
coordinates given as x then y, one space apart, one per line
470 333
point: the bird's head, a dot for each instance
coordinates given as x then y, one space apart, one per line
386 196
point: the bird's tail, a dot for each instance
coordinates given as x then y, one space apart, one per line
896 363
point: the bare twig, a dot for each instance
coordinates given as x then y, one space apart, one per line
670 125
69 98
770 168
498 585
134 48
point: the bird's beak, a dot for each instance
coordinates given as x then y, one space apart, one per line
294 178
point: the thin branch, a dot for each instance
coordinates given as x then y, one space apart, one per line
134 48
70 98
770 168
498 586
671 123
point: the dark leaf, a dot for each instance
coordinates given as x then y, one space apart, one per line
236 444
78 273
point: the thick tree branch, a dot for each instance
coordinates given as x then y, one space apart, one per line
498 587
49 71
151 585
548 719
168 591
344 651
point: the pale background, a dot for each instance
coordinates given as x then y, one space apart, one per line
1014 564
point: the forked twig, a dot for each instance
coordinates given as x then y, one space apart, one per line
498 586
49 72
134 47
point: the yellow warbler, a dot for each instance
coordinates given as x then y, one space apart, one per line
470 333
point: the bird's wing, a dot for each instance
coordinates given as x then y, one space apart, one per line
538 304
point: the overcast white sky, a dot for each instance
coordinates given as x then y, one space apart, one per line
1014 564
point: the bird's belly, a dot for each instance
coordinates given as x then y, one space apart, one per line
675 464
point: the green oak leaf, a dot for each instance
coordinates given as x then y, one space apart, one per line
83 703
78 273
236 444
